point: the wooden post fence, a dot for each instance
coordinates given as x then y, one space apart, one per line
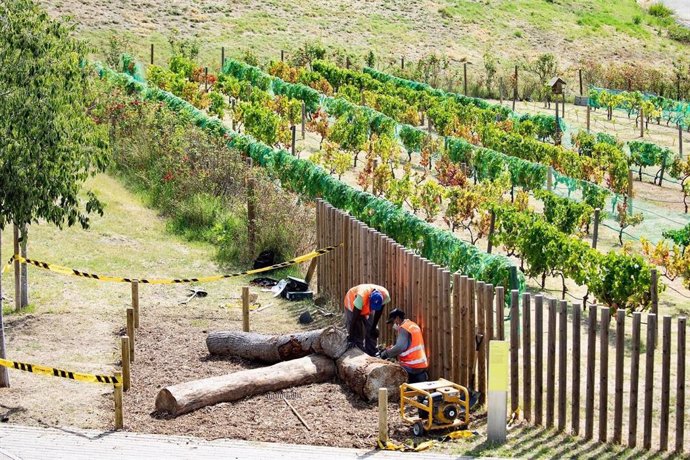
634 380
526 358
538 359
591 353
135 302
245 308
514 345
603 374
562 361
577 318
649 381
551 364
620 357
130 332
124 348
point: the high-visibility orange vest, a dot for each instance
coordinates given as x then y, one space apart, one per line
415 355
365 291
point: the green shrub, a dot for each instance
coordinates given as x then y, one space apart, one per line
197 215
679 33
660 10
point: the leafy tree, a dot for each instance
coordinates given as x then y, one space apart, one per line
351 132
49 144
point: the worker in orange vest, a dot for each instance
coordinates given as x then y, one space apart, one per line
363 308
408 348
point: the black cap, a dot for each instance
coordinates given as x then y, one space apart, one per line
395 313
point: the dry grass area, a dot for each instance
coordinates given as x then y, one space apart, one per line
581 29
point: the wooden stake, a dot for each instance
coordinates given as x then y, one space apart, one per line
500 312
680 141
311 269
282 55
481 353
551 364
492 225
294 411
604 375
383 415
538 358
245 308
579 72
641 122
151 53
591 354
649 381
304 120
124 347
620 357
577 317
514 345
135 302
654 295
680 386
293 131
589 114
634 379
665 382
526 358
130 332
562 361
119 419
515 90
464 80
222 58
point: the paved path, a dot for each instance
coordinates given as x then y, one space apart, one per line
27 443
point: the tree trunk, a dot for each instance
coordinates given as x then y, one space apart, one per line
25 274
265 348
330 341
189 396
365 374
4 375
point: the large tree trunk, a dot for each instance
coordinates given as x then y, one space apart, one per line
265 348
275 348
189 396
365 374
4 375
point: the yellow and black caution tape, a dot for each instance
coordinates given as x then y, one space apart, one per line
203 279
45 370
390 445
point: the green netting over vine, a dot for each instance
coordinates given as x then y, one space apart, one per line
545 123
672 111
305 178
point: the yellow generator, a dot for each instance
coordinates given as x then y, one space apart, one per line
440 404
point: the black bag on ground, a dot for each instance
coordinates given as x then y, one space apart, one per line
265 259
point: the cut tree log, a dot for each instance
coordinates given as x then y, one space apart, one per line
186 397
330 341
265 348
365 374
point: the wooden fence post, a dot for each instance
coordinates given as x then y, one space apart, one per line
577 318
151 53
515 90
604 375
562 361
293 133
124 348
680 141
589 115
649 381
620 357
500 312
526 358
665 382
304 120
130 332
222 58
472 331
444 297
551 364
538 358
117 393
492 226
591 354
464 352
458 286
634 379
383 415
514 345
680 386
135 302
245 308
481 331
654 295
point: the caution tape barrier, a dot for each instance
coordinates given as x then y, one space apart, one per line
205 279
45 370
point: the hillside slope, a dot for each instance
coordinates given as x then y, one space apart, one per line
605 30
